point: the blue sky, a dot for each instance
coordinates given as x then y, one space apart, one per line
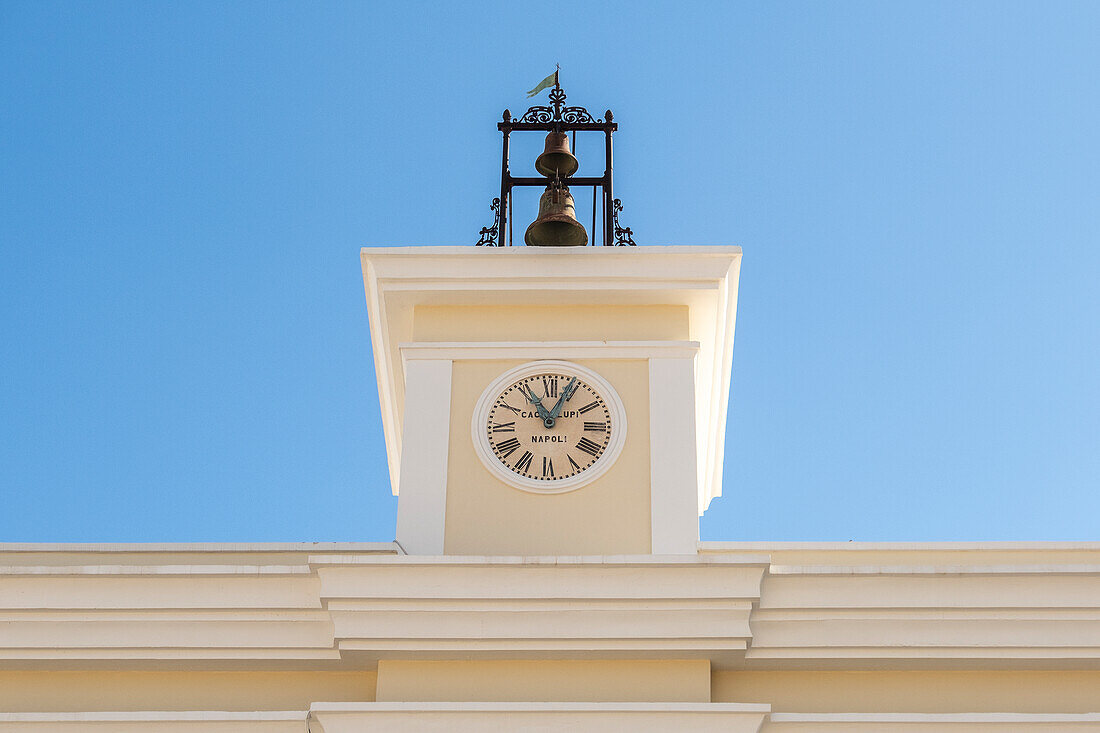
184 349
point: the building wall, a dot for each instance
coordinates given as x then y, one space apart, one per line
485 516
152 689
551 323
545 680
610 516
913 691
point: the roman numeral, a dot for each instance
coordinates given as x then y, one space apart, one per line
586 445
506 406
572 462
550 386
524 461
589 406
508 447
504 427
599 427
547 467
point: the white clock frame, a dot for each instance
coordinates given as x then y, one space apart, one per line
485 451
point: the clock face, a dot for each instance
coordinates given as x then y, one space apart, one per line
549 426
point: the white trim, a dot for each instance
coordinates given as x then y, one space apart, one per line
940 570
982 546
606 561
577 717
151 716
180 547
389 398
422 504
924 718
595 707
673 458
485 451
548 349
187 570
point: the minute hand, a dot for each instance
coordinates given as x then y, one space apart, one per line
566 394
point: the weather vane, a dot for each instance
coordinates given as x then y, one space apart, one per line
556 223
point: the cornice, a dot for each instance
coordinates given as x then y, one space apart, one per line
739 610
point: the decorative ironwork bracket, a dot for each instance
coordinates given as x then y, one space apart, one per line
624 236
490 234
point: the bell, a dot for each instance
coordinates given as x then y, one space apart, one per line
556 159
556 225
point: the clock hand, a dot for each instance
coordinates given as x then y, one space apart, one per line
547 418
536 401
565 395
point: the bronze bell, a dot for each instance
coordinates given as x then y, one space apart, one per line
556 225
556 158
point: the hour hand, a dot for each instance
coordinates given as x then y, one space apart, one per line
536 401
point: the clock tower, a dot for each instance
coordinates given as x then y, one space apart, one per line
552 400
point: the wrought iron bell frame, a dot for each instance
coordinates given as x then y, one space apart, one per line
557 117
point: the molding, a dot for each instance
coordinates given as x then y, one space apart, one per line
640 707
157 721
927 722
152 716
530 350
641 607
572 716
100 549
938 570
963 613
147 570
563 561
984 546
599 467
349 609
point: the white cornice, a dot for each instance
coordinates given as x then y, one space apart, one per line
578 717
739 610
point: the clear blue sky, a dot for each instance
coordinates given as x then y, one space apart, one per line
184 350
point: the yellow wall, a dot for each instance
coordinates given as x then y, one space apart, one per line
611 515
70 691
544 681
551 323
608 516
550 681
913 691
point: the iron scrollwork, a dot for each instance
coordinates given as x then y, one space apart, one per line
624 236
489 234
556 111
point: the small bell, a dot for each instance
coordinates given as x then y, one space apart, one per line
556 225
556 158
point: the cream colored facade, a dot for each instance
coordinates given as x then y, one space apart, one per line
595 609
